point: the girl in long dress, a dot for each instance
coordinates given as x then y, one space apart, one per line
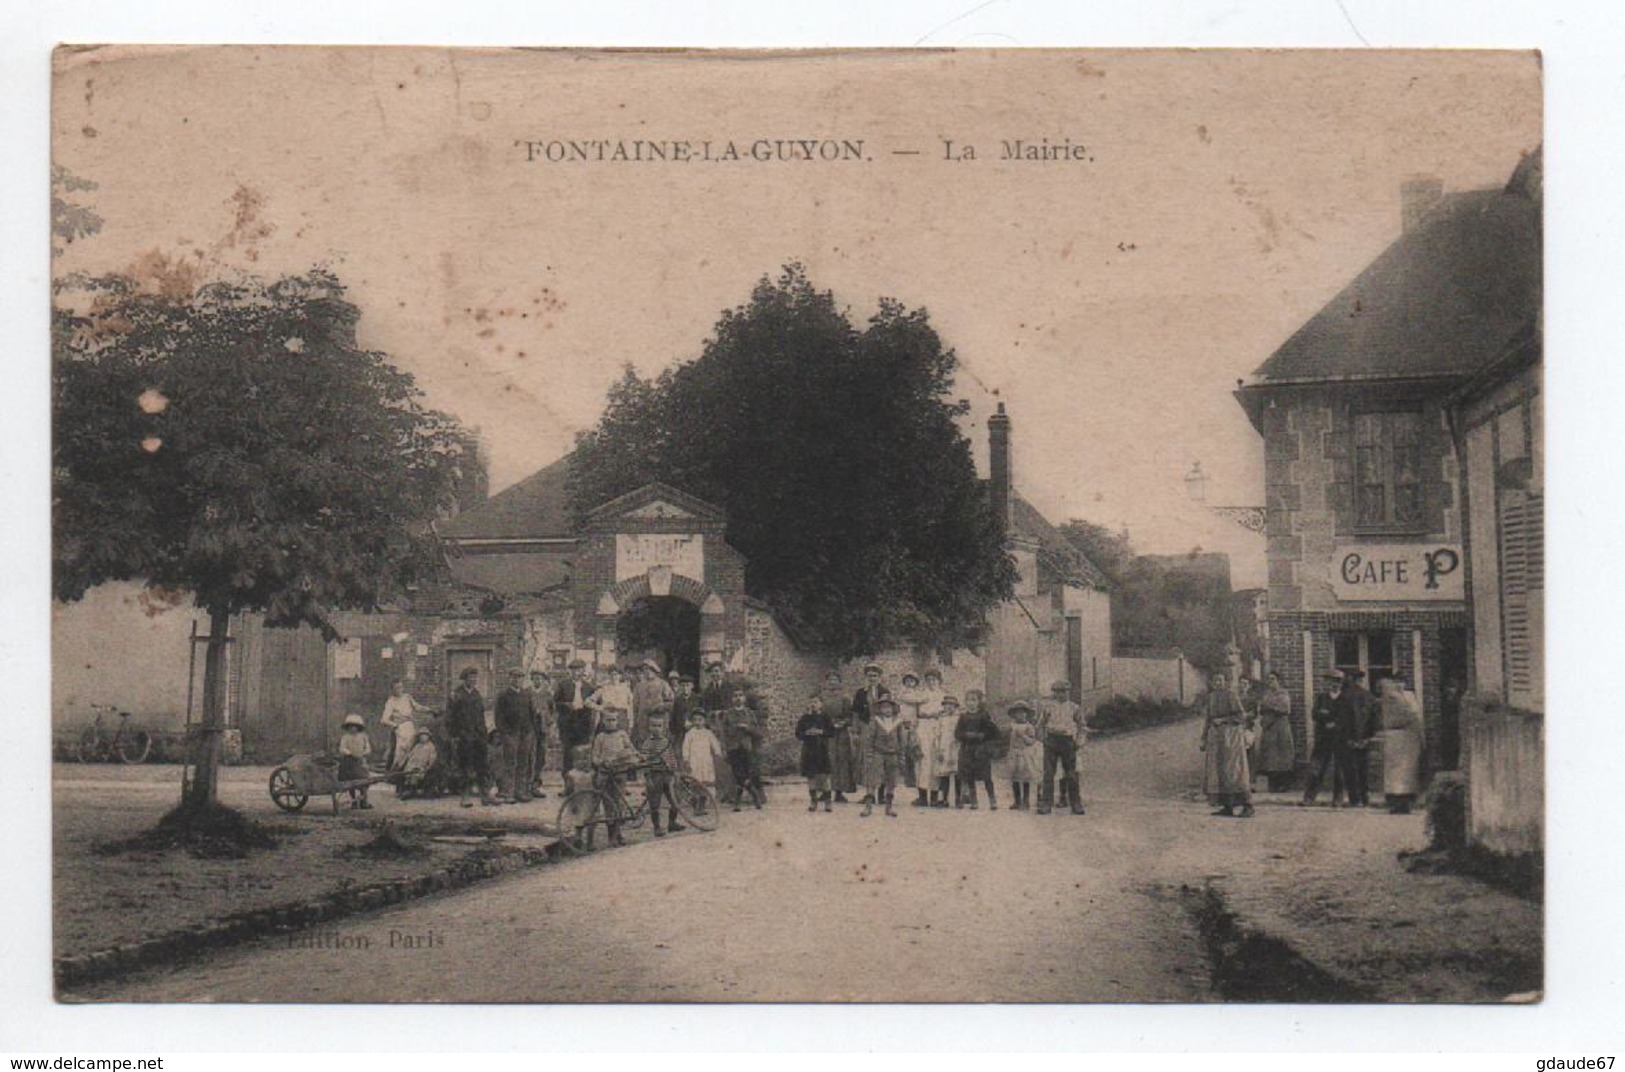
1401 747
930 774
1025 756
701 751
1275 752
1226 778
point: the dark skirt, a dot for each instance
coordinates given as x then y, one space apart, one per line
976 761
352 768
814 758
843 762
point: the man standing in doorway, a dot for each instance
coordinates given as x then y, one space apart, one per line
1061 728
465 721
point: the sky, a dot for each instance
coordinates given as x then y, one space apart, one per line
1110 301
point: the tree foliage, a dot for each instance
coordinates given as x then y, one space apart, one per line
234 442
1161 602
834 450
1111 552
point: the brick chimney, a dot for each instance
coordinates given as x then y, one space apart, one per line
998 464
1417 197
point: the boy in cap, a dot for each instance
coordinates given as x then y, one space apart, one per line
815 732
354 748
882 742
742 737
1062 728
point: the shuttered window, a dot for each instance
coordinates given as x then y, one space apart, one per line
1523 589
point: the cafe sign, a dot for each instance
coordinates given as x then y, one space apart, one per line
1397 572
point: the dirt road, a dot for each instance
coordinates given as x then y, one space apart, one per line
782 905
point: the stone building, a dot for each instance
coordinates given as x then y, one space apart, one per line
528 585
1360 412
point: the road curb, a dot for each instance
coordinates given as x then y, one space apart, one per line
81 969
1251 964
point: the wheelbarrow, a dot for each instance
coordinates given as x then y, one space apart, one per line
305 776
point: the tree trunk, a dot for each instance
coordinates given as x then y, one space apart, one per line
204 791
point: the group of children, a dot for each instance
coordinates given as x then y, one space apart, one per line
942 750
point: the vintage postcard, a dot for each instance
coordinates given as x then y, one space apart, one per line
797 526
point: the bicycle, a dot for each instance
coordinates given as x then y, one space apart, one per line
124 745
605 806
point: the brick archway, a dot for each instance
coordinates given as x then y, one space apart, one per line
622 595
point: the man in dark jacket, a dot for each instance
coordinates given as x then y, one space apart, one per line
465 723
1360 711
1328 716
864 700
572 712
516 721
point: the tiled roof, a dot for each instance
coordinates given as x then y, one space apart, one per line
511 573
1445 299
1059 559
536 508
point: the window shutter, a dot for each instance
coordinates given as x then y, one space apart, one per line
1523 588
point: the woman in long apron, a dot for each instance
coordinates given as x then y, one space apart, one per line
1226 778
1401 747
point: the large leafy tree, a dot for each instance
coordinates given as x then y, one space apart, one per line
234 442
835 451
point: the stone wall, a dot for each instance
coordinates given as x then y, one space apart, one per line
783 674
1309 492
1155 679
1506 789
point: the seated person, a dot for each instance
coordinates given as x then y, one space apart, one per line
417 768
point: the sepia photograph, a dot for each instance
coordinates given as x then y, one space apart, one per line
942 525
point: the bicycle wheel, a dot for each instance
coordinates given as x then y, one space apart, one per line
90 746
695 803
283 791
583 822
135 747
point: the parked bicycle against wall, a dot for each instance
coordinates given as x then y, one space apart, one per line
123 745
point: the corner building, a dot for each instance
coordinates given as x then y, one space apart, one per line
1359 412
